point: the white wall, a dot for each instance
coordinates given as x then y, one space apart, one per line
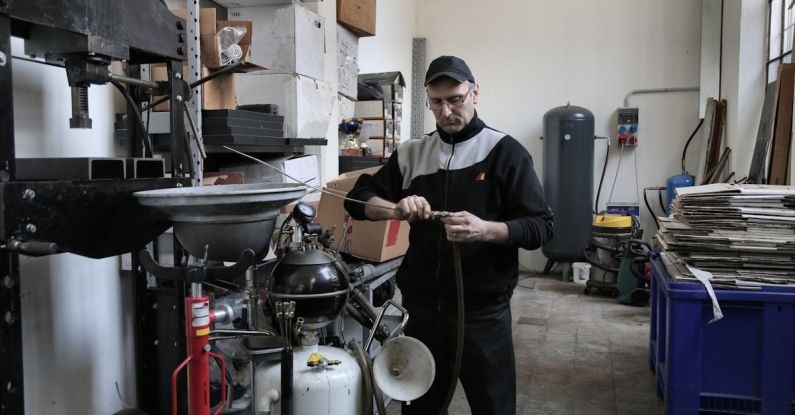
743 77
530 56
390 48
73 331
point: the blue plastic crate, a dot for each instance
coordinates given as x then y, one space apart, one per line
742 364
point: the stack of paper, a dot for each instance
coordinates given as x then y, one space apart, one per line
743 234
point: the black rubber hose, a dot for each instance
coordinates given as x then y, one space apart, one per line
648 206
287 382
136 114
459 346
209 77
687 144
363 362
660 199
602 179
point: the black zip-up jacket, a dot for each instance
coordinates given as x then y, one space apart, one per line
479 170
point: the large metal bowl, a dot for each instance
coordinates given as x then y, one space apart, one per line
226 219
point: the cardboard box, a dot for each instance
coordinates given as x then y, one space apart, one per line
217 93
377 241
210 42
347 62
358 16
306 103
346 181
213 178
287 38
211 45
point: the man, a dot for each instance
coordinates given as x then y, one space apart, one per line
486 178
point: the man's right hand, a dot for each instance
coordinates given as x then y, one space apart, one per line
412 208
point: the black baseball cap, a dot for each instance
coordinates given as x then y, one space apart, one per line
449 66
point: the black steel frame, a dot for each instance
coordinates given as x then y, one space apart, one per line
137 31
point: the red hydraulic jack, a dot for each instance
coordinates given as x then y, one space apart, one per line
197 321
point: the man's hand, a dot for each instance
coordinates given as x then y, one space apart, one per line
412 208
466 227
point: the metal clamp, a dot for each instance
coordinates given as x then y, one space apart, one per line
378 319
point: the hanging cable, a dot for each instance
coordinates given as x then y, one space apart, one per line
137 115
648 205
602 179
618 169
684 151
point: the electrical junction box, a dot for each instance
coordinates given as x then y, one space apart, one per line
627 126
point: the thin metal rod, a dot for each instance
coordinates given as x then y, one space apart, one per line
196 135
306 184
21 58
133 81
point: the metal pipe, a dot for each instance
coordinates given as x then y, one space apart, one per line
380 317
367 272
243 332
657 91
265 406
195 289
133 81
364 303
253 298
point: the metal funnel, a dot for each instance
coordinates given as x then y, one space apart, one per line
227 218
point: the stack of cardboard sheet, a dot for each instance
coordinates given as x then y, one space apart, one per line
743 234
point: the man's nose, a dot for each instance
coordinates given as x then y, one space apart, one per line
446 109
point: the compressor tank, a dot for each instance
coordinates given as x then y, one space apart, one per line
568 180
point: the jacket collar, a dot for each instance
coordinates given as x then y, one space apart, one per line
470 130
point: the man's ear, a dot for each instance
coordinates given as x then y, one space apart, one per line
475 93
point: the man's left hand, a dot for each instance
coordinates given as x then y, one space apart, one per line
466 227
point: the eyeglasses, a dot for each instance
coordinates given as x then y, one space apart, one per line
455 101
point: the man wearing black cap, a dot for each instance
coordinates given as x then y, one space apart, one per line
486 178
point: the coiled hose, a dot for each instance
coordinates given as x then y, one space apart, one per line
459 346
370 388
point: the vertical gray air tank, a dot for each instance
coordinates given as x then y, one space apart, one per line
568 180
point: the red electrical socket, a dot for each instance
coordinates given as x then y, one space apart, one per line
622 139
633 140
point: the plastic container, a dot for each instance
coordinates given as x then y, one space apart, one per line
741 364
581 271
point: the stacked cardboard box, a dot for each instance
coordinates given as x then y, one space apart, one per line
289 40
218 93
376 241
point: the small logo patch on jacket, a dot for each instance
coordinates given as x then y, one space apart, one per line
480 177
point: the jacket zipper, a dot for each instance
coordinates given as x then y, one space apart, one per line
442 234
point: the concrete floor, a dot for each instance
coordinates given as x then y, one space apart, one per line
576 354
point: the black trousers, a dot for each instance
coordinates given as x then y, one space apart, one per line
488 369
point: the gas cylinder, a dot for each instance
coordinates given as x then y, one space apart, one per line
326 380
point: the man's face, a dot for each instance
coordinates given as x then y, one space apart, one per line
452 103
